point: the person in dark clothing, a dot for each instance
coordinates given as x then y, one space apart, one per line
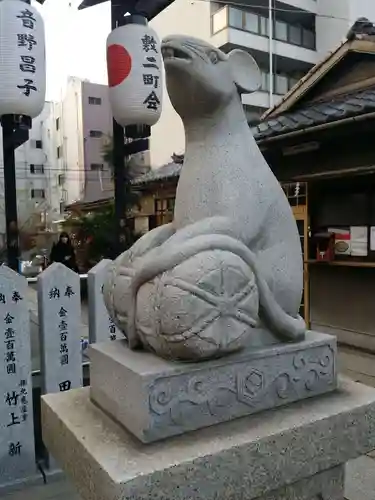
63 252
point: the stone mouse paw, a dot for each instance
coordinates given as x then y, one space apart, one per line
117 285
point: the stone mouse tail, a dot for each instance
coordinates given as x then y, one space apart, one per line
281 324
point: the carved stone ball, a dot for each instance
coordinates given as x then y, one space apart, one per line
205 307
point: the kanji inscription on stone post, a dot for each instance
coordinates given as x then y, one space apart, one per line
101 326
16 404
59 304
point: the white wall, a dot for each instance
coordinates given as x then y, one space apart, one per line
334 19
361 8
98 184
183 17
331 24
43 129
309 5
30 209
70 138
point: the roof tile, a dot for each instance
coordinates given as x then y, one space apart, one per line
159 174
322 112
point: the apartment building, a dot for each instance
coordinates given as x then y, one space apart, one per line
287 38
82 125
37 174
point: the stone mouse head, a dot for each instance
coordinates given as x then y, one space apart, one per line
201 78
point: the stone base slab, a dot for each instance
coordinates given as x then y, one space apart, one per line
155 399
265 455
327 485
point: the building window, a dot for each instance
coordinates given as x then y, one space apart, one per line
59 151
57 123
295 35
281 31
220 20
38 193
251 22
264 26
96 166
235 18
292 81
265 86
36 168
254 23
164 211
38 144
62 207
281 84
96 133
96 101
308 39
61 179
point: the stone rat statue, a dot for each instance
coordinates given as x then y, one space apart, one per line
230 262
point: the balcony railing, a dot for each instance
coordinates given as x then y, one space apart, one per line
231 17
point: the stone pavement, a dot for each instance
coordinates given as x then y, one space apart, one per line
360 478
55 490
360 485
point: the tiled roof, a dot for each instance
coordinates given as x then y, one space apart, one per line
349 105
363 30
168 171
307 77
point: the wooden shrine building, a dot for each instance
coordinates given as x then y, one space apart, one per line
320 143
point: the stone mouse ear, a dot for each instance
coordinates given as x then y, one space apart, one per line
245 71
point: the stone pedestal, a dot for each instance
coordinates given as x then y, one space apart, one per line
154 398
295 452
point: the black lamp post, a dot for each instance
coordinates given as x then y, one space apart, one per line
118 144
140 12
15 132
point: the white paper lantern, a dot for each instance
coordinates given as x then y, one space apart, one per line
134 75
22 59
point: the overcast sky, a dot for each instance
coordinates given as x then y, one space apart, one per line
75 42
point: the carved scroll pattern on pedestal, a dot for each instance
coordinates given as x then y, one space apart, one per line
253 385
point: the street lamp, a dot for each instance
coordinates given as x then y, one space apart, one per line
140 11
22 96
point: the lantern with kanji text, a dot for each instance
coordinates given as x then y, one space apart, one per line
22 59
134 73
